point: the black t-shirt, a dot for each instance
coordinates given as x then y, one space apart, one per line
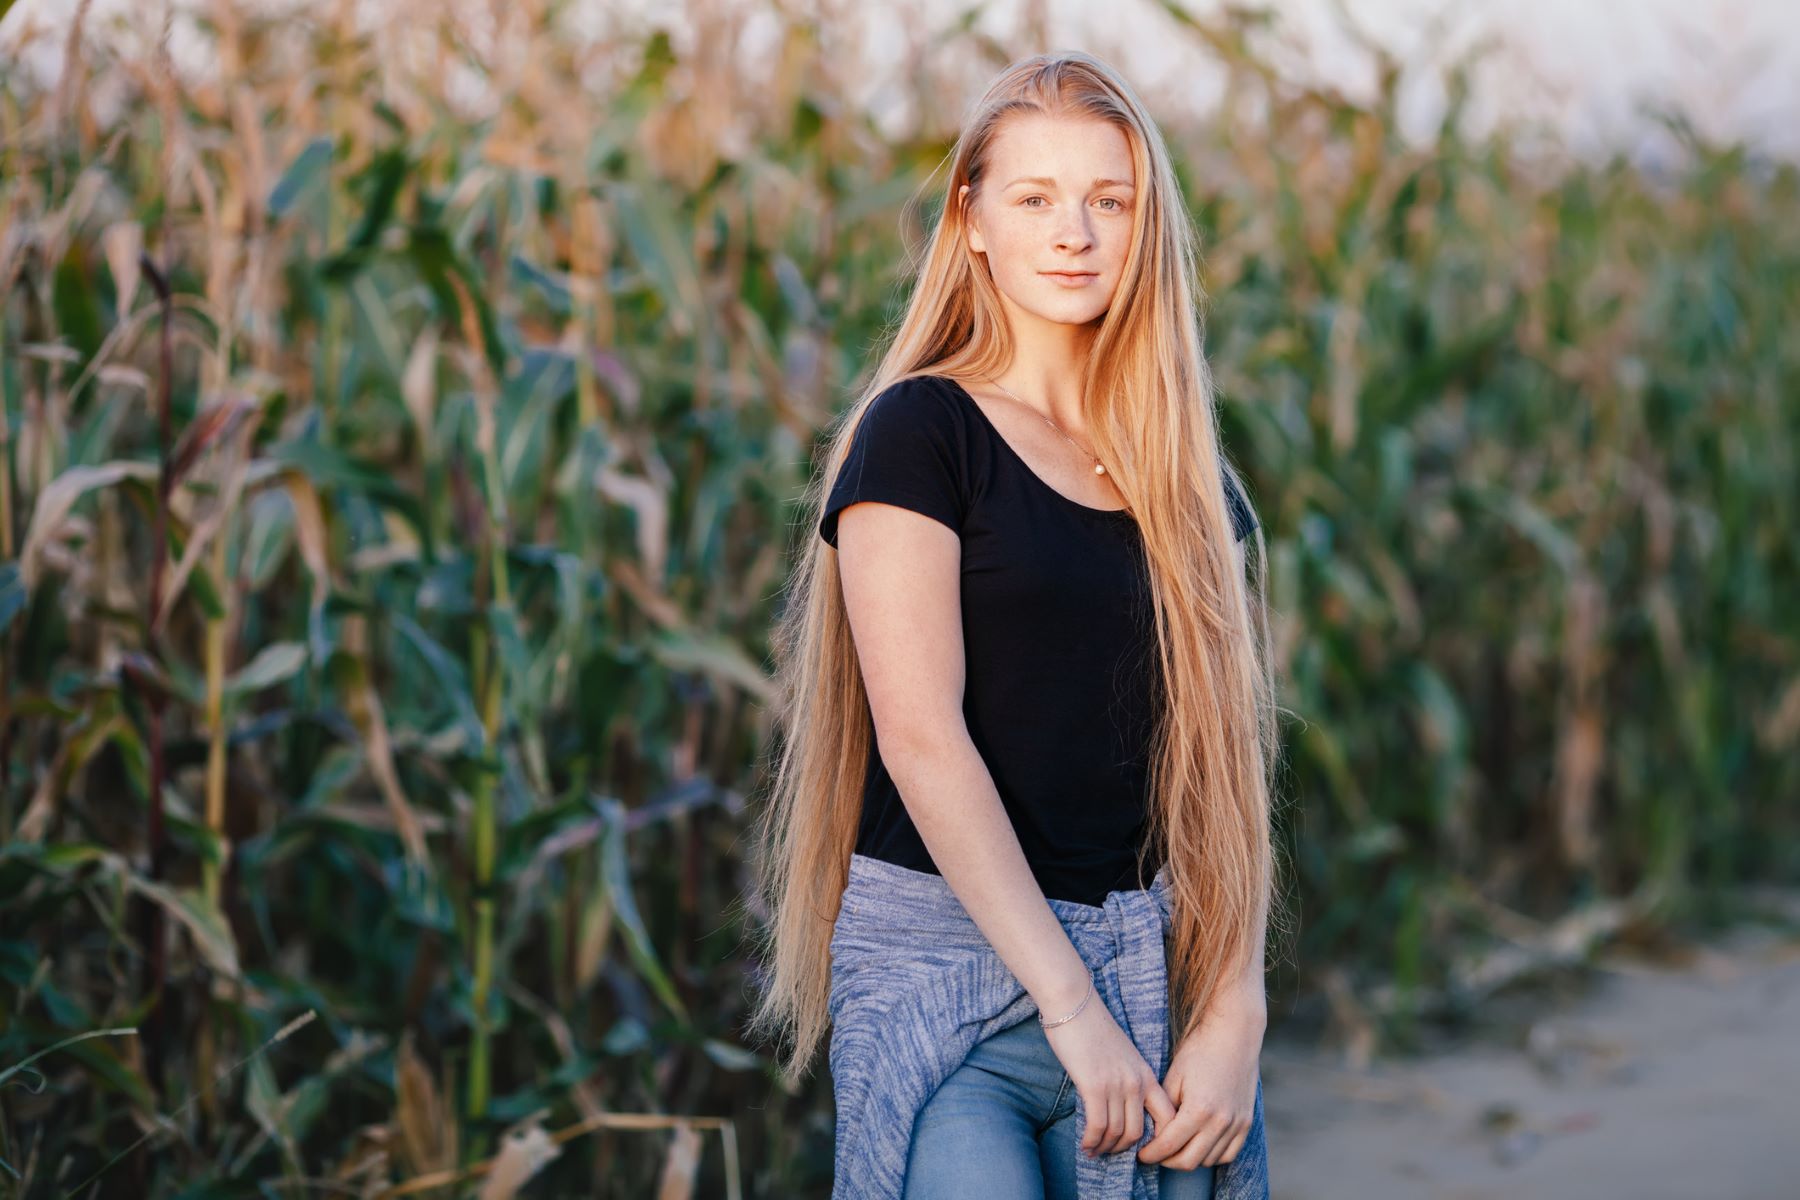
1059 645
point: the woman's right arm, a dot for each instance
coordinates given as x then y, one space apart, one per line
901 577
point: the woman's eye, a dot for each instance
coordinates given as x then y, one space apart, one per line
1117 204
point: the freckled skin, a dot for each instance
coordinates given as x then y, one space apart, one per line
1026 229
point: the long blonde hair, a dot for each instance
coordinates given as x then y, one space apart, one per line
1147 399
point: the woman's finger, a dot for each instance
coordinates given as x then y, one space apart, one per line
1096 1124
1212 1137
1162 1111
1171 1139
1134 1120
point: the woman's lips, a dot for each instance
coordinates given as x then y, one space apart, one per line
1072 279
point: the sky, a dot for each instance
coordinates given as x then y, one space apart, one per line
1585 68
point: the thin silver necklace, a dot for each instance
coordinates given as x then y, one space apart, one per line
1099 467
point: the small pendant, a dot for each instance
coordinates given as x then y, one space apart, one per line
1099 469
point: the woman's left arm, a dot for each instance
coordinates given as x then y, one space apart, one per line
1212 1080
1213 1073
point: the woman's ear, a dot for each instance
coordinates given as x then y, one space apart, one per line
975 242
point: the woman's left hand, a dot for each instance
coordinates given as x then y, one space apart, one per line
1212 1079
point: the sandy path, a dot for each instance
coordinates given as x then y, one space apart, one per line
1656 1082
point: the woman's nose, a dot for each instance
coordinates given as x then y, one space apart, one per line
1074 231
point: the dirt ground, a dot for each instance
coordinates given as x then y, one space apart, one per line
1652 1081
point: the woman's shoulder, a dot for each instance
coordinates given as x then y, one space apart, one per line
1237 501
919 408
923 396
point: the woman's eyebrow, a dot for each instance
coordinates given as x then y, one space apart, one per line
1046 181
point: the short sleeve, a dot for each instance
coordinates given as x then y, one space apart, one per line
908 450
1243 517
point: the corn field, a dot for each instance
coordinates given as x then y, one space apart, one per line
403 413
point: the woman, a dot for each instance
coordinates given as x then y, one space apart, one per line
1021 659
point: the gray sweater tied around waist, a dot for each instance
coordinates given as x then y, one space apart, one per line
915 985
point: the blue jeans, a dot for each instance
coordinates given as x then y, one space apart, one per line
1002 1127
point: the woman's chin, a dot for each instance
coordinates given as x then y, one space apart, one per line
1085 312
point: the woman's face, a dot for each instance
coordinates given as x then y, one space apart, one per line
1054 214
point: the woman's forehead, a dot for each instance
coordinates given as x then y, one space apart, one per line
1074 151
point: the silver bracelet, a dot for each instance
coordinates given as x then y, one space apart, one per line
1073 1015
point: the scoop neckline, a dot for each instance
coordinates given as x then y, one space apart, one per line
1116 514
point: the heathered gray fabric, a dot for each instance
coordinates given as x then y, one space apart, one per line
915 984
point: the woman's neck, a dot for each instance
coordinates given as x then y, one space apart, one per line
1047 365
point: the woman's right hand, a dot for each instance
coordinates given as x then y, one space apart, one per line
1116 1085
